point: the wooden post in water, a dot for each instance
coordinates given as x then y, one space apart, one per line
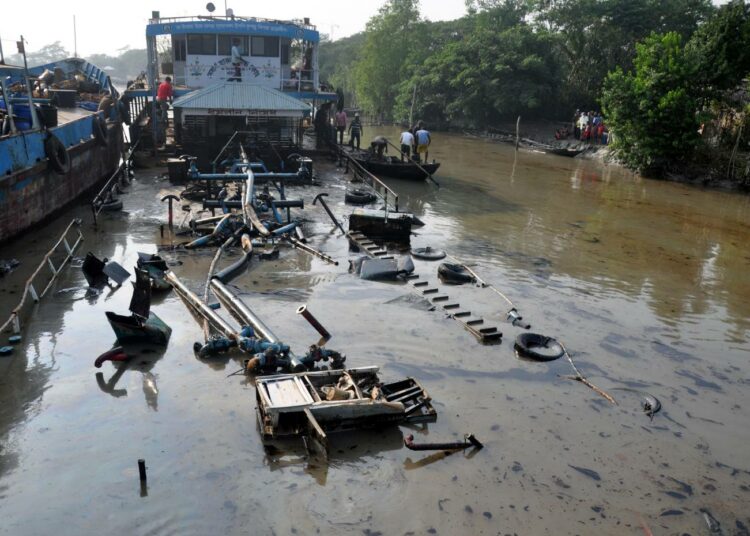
518 130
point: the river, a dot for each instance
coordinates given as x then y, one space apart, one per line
645 282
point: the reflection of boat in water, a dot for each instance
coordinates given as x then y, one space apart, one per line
56 140
394 167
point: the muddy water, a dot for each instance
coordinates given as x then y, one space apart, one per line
645 283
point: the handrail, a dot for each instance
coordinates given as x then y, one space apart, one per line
188 18
29 288
366 176
98 202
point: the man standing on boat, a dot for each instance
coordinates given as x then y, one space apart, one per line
340 119
236 60
423 142
164 96
407 142
355 131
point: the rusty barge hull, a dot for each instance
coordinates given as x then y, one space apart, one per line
32 194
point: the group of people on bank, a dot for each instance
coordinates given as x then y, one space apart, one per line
590 127
413 141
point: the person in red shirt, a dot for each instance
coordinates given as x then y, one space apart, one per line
164 96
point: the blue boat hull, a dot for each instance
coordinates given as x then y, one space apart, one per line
31 191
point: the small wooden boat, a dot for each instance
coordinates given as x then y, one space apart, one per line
394 167
563 151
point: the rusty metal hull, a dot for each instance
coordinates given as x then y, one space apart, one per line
32 194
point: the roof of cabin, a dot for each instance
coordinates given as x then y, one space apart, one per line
240 96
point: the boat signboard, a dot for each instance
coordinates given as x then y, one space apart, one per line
202 70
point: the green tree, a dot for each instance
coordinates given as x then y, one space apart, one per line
596 36
720 49
652 110
391 35
501 67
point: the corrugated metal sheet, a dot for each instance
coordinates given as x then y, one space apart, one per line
239 96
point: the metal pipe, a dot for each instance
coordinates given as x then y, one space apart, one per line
302 310
204 310
320 197
240 311
469 441
312 251
231 271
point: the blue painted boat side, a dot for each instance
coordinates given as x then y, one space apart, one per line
26 149
270 29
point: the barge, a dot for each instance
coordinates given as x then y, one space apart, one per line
57 140
55 143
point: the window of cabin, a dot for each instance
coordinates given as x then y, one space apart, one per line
265 46
225 44
204 44
180 49
285 53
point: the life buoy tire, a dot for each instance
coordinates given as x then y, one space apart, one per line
57 154
428 254
538 347
454 273
112 206
359 197
99 129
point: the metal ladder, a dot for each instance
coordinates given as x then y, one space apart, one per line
432 292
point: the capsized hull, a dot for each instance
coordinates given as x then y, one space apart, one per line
129 330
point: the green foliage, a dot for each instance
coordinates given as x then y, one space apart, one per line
596 36
391 36
652 110
720 49
502 68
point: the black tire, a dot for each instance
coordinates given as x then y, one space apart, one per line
454 273
538 347
428 254
359 197
112 206
99 128
57 154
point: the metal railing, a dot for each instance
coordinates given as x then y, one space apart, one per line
30 290
294 22
382 190
99 199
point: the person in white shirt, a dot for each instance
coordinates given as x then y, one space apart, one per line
236 60
407 142
583 122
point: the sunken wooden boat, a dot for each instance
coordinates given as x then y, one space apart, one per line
312 404
394 167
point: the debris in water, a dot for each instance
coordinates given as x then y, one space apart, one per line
469 441
588 472
713 525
